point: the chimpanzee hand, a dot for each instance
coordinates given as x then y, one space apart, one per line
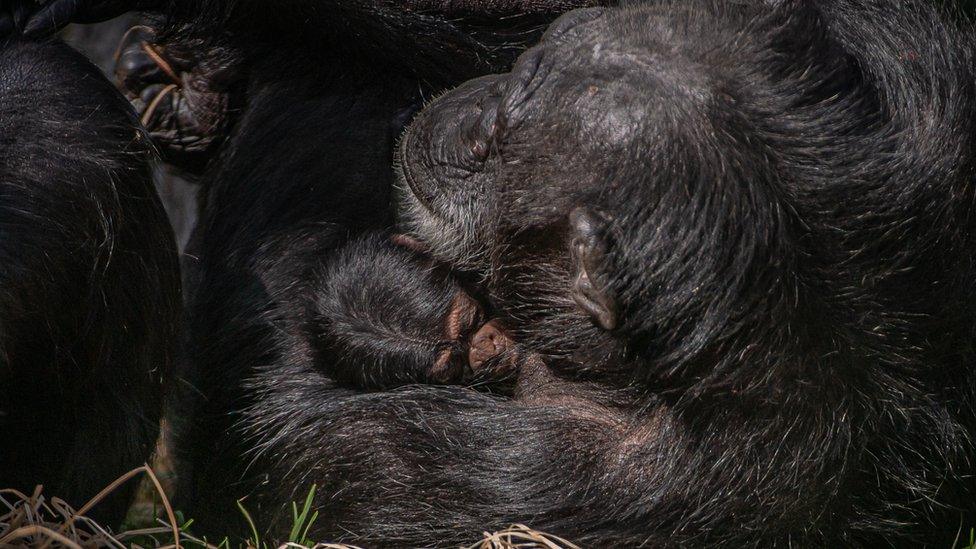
184 91
39 18
384 316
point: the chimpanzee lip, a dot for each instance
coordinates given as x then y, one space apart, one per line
411 243
407 173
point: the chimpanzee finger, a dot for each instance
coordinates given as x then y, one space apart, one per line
492 341
52 16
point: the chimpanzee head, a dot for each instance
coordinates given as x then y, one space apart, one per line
684 187
607 189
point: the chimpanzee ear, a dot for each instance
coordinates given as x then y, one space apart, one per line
588 250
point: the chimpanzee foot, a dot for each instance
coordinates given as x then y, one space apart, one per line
481 349
492 352
183 99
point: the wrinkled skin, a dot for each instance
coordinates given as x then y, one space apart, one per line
187 101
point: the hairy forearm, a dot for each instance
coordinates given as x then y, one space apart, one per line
381 459
553 459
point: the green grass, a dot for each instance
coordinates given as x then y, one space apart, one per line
301 523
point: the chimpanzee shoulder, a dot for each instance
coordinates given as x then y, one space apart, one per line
89 288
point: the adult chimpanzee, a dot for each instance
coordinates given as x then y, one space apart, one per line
733 245
89 284
735 250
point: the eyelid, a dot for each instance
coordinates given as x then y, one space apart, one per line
485 130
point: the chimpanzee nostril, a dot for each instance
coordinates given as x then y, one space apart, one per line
489 124
528 74
528 66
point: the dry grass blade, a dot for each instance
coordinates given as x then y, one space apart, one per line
36 522
114 486
33 521
318 546
34 530
151 109
520 536
160 61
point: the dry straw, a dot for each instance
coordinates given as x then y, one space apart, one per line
35 521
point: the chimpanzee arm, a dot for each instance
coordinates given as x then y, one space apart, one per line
426 466
436 466
377 315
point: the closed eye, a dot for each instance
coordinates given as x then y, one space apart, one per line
486 130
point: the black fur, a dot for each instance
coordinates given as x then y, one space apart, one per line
89 284
380 318
782 204
787 196
331 181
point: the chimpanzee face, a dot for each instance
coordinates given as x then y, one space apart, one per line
531 178
612 189
509 169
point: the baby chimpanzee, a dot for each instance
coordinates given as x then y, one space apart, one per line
388 317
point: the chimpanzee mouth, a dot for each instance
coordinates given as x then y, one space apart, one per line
447 237
405 175
414 215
